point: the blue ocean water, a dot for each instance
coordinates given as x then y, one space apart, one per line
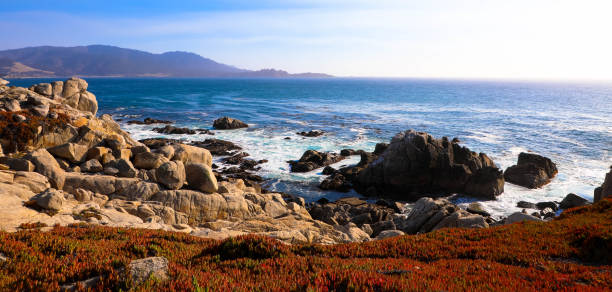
569 122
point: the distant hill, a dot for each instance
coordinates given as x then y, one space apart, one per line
100 60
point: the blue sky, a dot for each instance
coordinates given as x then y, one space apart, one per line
522 39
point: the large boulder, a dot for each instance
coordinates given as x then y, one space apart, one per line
312 159
143 269
72 152
149 160
124 167
46 165
42 88
88 102
73 86
129 188
201 177
191 154
415 165
531 171
573 200
605 190
520 217
74 91
50 199
428 214
227 123
462 219
171 175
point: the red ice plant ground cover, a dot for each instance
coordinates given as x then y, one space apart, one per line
572 252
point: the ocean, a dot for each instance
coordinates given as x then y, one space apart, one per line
569 122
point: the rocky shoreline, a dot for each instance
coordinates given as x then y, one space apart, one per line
60 164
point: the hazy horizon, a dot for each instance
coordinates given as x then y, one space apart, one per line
550 40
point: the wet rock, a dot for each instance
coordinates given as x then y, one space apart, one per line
218 147
329 170
227 123
336 182
347 152
171 175
235 159
380 148
416 164
531 171
149 121
526 205
155 143
312 133
544 205
174 130
573 200
312 160
201 177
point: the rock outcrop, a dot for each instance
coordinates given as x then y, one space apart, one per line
605 190
227 123
531 171
416 165
61 165
428 215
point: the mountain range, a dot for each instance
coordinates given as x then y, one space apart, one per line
110 61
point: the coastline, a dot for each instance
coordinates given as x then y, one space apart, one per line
78 179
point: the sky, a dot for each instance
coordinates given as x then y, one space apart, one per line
518 39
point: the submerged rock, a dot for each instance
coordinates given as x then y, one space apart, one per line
531 171
149 121
312 133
